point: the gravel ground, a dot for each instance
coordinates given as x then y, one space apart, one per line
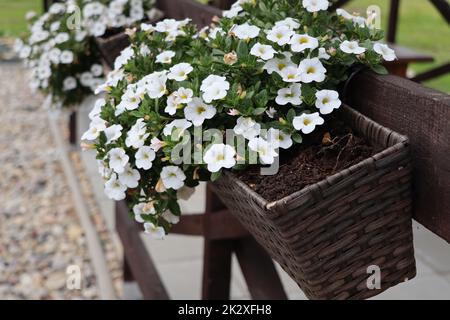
40 235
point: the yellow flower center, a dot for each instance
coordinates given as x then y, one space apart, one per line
310 70
306 122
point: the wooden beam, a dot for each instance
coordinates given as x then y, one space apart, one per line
443 6
433 73
137 257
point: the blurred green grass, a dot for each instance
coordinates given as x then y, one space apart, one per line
12 15
421 27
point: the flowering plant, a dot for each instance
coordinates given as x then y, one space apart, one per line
261 78
60 50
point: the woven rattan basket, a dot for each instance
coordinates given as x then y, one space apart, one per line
326 235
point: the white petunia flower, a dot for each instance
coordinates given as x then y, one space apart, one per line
137 135
69 83
173 103
179 72
387 53
118 159
143 209
247 127
265 150
96 126
197 111
170 217
113 133
312 70
66 57
61 37
214 88
291 23
155 232
173 177
292 95
180 125
327 101
97 70
144 157
262 51
155 84
97 109
125 55
165 57
184 95
301 42
307 122
323 54
351 47
114 189
281 35
279 139
130 177
220 156
315 5
291 74
246 31
277 65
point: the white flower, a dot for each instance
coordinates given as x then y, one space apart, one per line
247 127
97 70
144 157
54 55
180 126
387 53
288 22
156 144
130 177
301 42
173 177
351 47
327 101
292 95
277 65
173 103
197 111
323 54
312 70
137 135
179 72
281 35
167 25
155 84
271 112
113 133
25 52
170 217
307 122
86 79
143 209
220 156
66 57
125 55
315 5
144 50
165 57
265 150
233 12
262 51
246 31
96 126
155 232
214 88
69 83
291 74
184 95
97 109
118 159
114 189
279 139
61 37
147 27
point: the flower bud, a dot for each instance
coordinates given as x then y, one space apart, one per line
331 51
230 58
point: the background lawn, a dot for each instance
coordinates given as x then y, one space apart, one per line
421 27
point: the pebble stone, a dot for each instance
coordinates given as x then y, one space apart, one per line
40 235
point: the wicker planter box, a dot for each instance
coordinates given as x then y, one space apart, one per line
326 235
111 46
200 14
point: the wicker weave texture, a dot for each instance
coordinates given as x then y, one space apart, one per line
328 234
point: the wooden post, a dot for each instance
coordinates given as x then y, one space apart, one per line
393 21
73 132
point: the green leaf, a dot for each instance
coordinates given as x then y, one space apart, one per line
380 69
242 49
297 137
291 115
174 207
216 175
259 111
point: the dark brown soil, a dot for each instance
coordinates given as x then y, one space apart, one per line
325 152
